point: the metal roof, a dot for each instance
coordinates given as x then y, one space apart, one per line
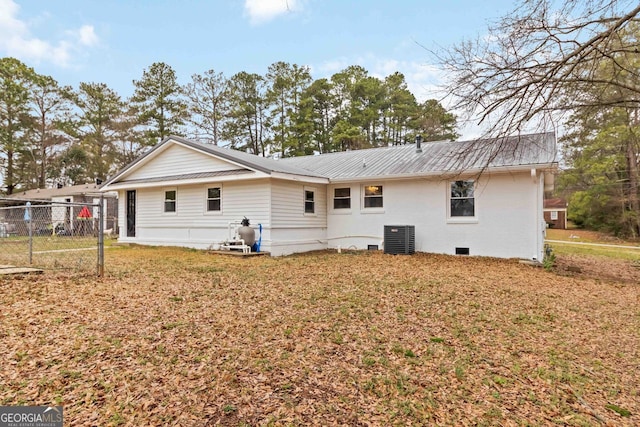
436 158
395 162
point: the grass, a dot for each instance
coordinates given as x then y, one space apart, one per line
181 337
575 237
617 253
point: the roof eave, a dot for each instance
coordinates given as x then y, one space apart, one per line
126 185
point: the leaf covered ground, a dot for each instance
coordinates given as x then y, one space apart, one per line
179 337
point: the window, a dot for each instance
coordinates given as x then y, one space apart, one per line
342 198
213 199
462 199
309 202
373 196
170 201
554 215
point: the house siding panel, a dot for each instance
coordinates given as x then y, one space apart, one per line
178 159
506 211
191 225
292 229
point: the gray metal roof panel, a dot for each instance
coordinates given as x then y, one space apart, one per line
396 161
436 157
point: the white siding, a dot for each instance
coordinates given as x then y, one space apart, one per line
178 159
293 230
122 215
191 225
540 224
507 223
506 214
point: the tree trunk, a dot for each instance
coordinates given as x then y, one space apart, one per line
634 202
9 173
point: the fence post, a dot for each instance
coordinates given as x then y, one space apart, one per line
27 219
101 237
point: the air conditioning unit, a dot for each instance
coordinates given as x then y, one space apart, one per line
399 239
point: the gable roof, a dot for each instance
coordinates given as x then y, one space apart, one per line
436 158
246 160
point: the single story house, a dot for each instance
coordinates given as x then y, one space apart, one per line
186 193
67 202
555 212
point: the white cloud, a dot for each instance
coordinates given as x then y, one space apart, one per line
261 11
87 36
16 39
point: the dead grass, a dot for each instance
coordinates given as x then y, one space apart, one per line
588 236
179 337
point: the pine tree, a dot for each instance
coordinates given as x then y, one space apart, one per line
158 100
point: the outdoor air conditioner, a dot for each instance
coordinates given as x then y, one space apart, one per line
399 239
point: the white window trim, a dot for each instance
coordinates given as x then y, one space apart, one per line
462 219
365 210
304 201
164 199
553 214
343 211
206 199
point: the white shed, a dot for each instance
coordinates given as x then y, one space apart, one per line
186 193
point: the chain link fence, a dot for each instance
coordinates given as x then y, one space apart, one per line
52 235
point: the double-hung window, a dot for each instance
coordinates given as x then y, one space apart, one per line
214 199
373 196
342 198
462 199
170 199
309 201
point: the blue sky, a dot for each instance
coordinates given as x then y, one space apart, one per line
112 42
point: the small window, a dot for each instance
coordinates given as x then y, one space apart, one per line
342 198
462 251
309 202
554 215
462 199
213 199
373 196
170 201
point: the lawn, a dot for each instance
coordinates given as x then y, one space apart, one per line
180 337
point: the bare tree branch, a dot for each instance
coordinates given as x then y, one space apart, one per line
524 70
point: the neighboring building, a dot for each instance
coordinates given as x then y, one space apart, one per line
555 213
186 193
67 203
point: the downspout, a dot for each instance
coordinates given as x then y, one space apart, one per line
537 230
